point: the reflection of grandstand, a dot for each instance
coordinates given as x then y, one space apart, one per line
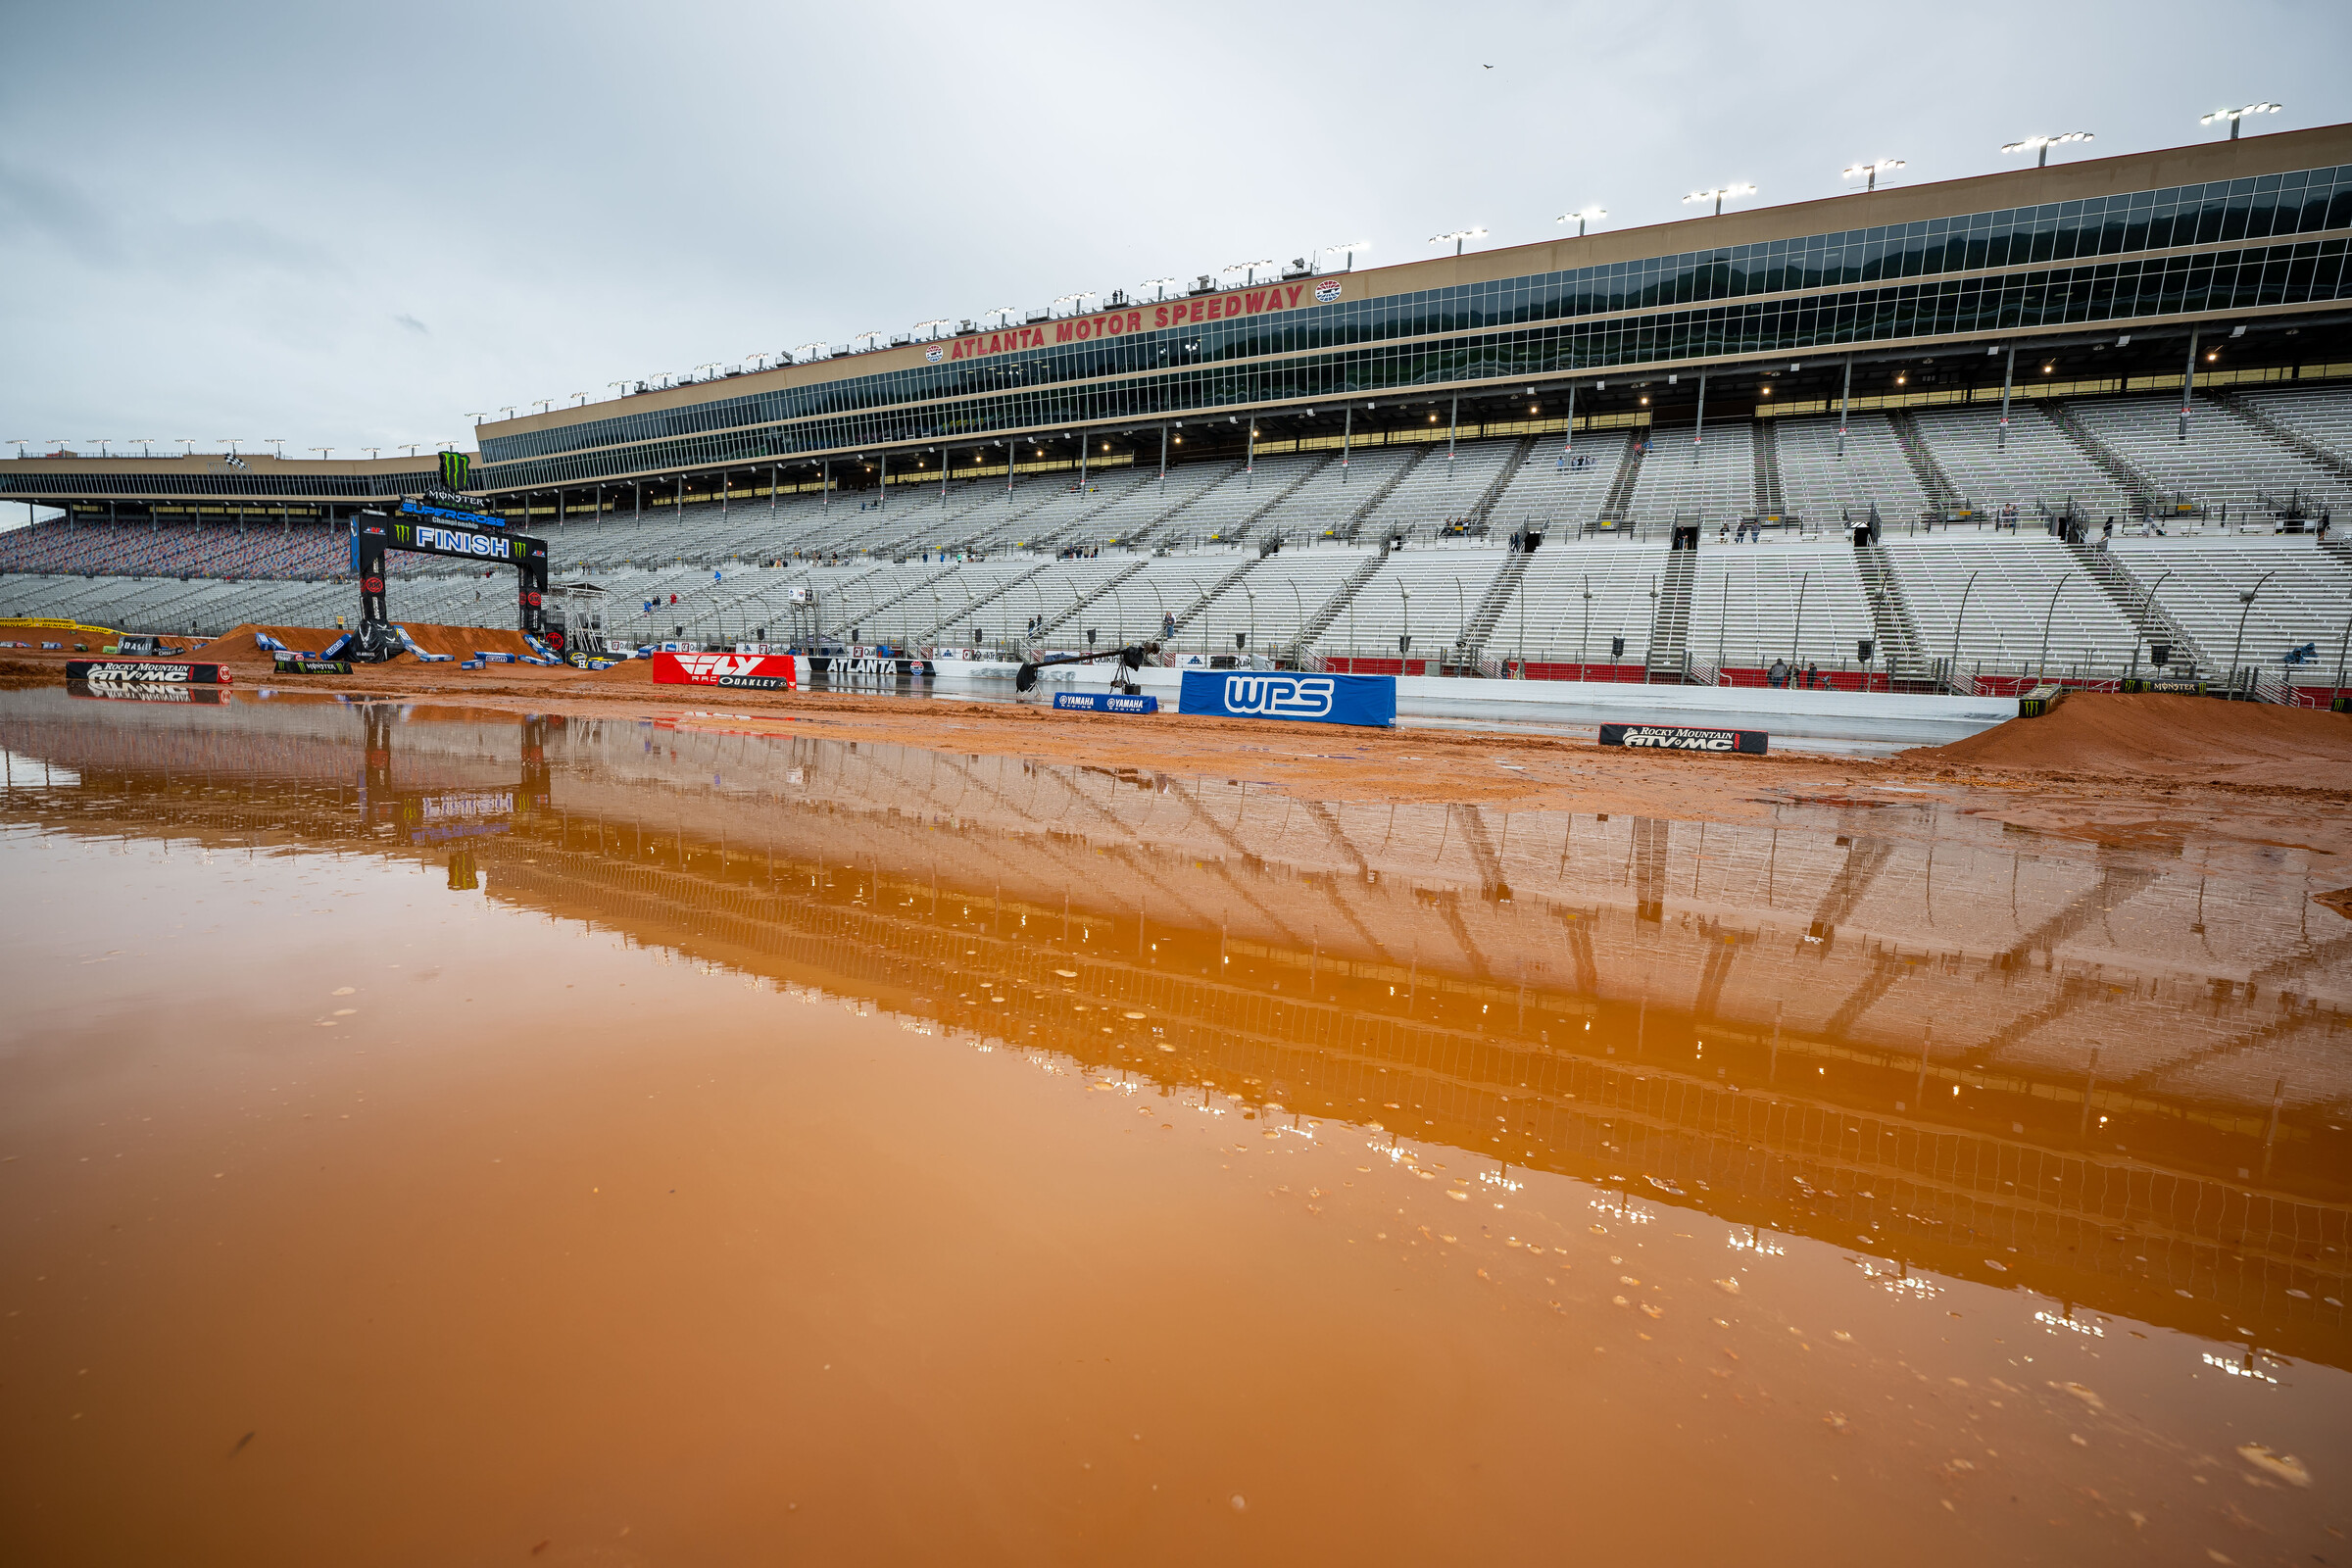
1773 1022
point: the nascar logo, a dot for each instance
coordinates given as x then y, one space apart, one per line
935 354
1325 293
1278 696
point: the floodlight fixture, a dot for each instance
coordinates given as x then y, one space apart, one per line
325 452
933 327
2041 145
815 351
1717 195
1161 285
1581 216
1457 237
1347 250
621 388
1872 172
277 441
2233 116
1250 268
479 416
1003 313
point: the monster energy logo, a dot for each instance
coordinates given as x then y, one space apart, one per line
455 469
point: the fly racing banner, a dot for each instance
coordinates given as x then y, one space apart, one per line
767 672
1288 694
161 671
1105 702
1684 738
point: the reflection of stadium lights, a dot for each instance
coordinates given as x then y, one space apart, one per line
2233 116
1717 195
1580 215
1873 170
2042 145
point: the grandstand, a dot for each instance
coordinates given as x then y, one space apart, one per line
1901 485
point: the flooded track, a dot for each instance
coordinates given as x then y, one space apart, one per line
430 1135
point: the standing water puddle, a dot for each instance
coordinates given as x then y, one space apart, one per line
432 1136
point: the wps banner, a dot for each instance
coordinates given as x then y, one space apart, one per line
1288 694
767 672
1680 738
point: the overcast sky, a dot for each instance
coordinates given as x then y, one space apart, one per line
351 225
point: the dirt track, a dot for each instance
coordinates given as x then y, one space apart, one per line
2145 771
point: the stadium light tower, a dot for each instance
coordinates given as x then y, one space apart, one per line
372 452
1458 236
187 444
583 398
1161 285
101 442
19 442
325 452
814 351
1250 268
279 442
1873 170
1581 216
1071 300
1717 195
2041 145
1347 250
1003 313
143 441
933 327
2233 116
506 409
621 388
479 416
410 446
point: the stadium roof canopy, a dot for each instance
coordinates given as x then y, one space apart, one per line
2083 274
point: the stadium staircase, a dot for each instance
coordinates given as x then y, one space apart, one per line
1770 502
1355 519
1078 605
2277 430
1899 642
1668 661
2131 597
1248 525
1493 603
2142 490
1485 504
923 581
1321 621
1621 488
1937 484
1170 514
980 600
1209 593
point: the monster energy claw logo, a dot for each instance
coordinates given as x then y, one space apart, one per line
455 469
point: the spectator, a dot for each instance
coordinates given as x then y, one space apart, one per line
1813 674
1777 675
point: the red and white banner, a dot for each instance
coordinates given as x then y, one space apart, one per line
757 671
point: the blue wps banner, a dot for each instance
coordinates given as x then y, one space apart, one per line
1105 702
1286 694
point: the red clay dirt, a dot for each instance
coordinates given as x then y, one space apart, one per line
463 641
2170 737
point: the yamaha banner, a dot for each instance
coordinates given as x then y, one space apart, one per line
1105 702
1288 694
1684 738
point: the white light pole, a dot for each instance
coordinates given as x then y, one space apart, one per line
1003 313
325 452
932 326
2040 145
143 441
543 403
1581 216
1717 195
1250 268
1872 172
621 388
1457 237
1161 285
814 351
1347 250
2233 116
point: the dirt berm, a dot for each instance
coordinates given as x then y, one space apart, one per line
2182 737
463 641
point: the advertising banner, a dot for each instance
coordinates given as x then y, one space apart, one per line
171 671
296 665
144 692
840 666
1287 694
1683 738
1105 702
767 672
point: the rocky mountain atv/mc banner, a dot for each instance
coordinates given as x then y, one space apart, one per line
161 671
1683 738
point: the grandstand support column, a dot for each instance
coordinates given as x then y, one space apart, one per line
2145 606
1347 437
775 482
1846 398
638 490
824 488
882 492
1249 456
1008 456
726 493
1567 444
1454 427
944 461
1083 443
1698 433
1164 458
2188 382
2008 382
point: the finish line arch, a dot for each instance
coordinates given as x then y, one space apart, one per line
424 528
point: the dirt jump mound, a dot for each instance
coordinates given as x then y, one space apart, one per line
2184 738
